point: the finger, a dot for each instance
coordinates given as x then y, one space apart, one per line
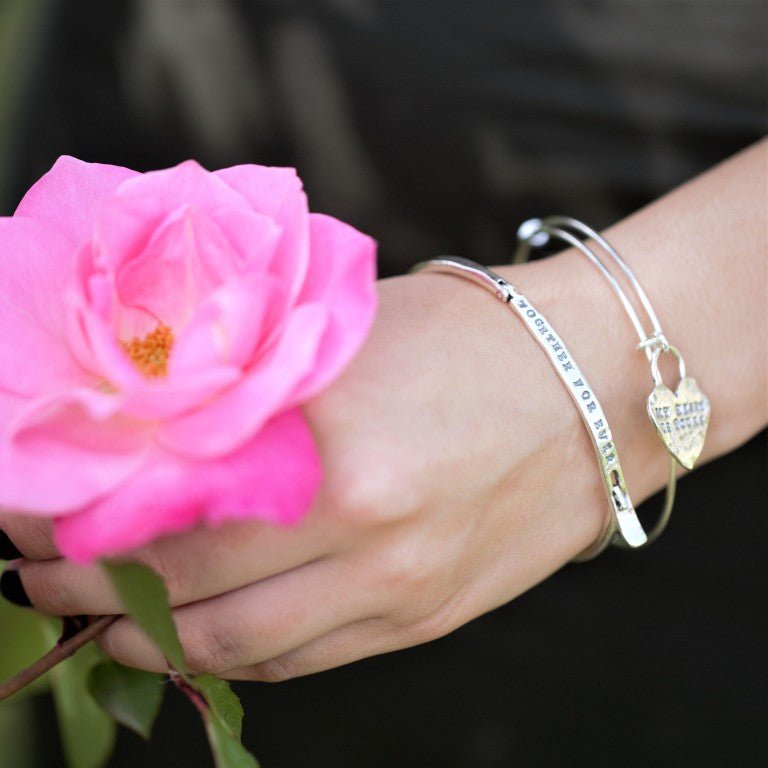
357 640
30 534
344 645
252 624
195 565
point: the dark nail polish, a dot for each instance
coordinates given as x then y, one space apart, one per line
13 590
8 549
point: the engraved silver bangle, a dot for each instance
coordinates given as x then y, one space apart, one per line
680 417
623 524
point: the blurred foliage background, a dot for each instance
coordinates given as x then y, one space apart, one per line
23 639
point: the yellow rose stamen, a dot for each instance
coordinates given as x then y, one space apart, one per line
150 354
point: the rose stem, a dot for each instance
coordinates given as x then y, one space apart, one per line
58 653
183 685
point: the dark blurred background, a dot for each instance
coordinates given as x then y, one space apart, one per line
437 126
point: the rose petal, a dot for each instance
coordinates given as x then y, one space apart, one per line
68 196
10 407
233 417
273 477
168 398
35 265
61 452
94 340
254 237
230 324
341 275
128 220
186 258
278 193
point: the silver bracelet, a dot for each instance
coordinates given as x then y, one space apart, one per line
681 417
623 525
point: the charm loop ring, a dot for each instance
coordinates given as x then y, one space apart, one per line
657 380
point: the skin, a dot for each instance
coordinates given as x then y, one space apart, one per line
457 471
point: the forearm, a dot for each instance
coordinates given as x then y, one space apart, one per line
700 252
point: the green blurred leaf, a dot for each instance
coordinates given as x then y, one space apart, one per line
18 734
24 638
145 598
227 750
224 723
222 700
87 731
131 696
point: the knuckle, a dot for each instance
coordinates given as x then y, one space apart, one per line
275 670
437 623
32 535
111 643
124 643
364 495
352 500
212 648
401 567
48 591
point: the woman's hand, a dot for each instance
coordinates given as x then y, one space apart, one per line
456 476
457 472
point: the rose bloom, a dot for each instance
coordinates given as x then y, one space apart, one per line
159 332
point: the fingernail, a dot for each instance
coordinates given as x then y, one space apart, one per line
8 549
12 589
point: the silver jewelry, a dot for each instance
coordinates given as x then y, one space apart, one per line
681 417
623 525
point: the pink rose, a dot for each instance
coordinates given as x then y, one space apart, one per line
159 332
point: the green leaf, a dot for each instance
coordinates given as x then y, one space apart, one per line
24 638
145 598
224 723
227 750
87 731
222 700
131 696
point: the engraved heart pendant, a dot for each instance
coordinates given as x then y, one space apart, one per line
681 418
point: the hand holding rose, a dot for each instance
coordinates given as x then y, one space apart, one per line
425 517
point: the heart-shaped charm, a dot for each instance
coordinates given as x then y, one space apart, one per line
681 418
